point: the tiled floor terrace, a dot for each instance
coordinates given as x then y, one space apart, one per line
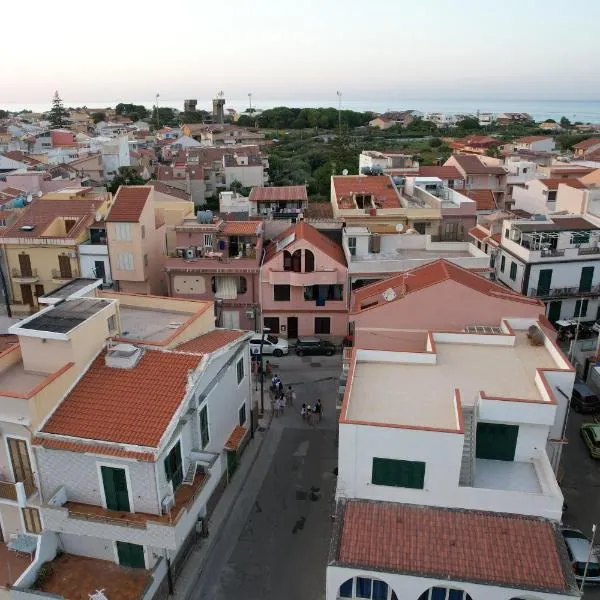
76 577
12 565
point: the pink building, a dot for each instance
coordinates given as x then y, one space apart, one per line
219 261
304 284
437 296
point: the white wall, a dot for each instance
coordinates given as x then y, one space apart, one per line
84 545
87 263
248 176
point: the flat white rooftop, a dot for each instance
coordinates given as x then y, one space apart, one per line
506 475
412 254
149 324
422 395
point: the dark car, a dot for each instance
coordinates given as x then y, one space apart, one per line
583 400
313 346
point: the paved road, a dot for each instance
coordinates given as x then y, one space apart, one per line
282 526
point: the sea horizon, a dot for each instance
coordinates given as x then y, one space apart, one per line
586 111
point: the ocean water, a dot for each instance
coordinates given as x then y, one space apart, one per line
587 111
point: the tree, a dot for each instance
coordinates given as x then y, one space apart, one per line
125 176
493 151
3 114
246 121
469 124
98 116
237 187
435 142
565 123
58 113
549 121
136 112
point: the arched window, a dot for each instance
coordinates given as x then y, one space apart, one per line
297 261
287 261
309 261
444 593
366 588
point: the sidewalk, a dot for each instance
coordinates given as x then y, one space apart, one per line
198 557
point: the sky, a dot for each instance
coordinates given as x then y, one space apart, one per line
300 50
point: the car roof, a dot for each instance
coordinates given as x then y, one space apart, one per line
583 389
593 429
309 339
579 546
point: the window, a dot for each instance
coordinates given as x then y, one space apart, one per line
352 246
31 518
287 261
366 588
143 231
281 293
502 263
123 232
112 323
479 245
145 260
322 325
309 261
240 370
242 414
242 287
272 324
451 231
204 430
398 473
513 270
485 249
173 466
581 307
323 292
420 227
363 587
208 241
442 593
506 233
125 261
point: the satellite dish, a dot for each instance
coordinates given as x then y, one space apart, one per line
98 216
39 194
345 172
389 295
399 228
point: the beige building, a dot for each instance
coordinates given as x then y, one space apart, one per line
40 247
171 207
136 241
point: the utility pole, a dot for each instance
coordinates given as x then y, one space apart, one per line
250 101
157 115
339 95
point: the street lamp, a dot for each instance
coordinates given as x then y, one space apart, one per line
262 375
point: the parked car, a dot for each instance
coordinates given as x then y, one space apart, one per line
272 345
578 549
583 400
314 346
590 432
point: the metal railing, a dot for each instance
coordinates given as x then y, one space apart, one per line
594 290
20 273
8 490
58 274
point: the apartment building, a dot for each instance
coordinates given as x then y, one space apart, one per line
539 195
535 143
556 259
443 453
136 241
218 260
304 284
278 202
587 149
41 245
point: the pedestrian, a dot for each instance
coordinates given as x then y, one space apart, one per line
278 407
290 395
303 411
268 369
280 387
319 410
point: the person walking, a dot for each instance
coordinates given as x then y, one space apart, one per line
303 411
290 396
318 410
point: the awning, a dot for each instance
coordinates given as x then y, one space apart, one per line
236 438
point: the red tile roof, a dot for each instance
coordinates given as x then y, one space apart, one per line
458 545
54 444
128 406
441 172
129 203
474 165
211 341
432 274
528 139
170 190
585 144
479 233
303 231
552 184
484 198
241 227
319 210
380 186
279 193
21 157
236 438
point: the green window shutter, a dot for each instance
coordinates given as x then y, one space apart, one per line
496 441
398 473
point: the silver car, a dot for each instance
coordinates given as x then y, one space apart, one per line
578 549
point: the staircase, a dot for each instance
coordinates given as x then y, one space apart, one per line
190 474
467 466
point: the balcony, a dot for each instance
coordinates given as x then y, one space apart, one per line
24 276
323 277
58 275
564 292
18 491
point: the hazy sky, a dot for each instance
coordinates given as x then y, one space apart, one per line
302 49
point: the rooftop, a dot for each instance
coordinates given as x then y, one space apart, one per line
129 203
485 199
279 193
150 324
421 395
169 190
380 187
441 172
94 410
75 287
474 165
583 145
211 341
482 547
574 223
528 139
553 183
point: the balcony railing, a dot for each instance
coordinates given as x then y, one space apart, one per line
564 292
20 273
58 274
8 491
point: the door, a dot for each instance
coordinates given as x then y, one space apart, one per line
292 327
496 441
39 290
64 264
544 282
100 270
26 294
131 555
231 462
554 309
25 265
115 489
174 467
273 324
19 460
585 281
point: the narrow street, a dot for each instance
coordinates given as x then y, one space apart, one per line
276 543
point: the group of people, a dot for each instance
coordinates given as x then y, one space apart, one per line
313 414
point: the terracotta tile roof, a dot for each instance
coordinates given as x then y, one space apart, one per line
585 144
211 341
236 438
572 170
553 183
528 139
484 198
303 231
42 212
169 190
129 203
474 165
55 444
21 157
279 193
241 227
479 233
428 275
460 545
441 172
128 406
319 210
380 186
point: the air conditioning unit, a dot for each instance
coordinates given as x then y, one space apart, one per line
190 253
249 313
168 503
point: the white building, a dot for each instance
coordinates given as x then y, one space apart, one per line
556 259
115 154
446 464
539 195
535 143
386 162
94 261
230 202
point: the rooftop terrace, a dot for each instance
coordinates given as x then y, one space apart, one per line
150 324
66 316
